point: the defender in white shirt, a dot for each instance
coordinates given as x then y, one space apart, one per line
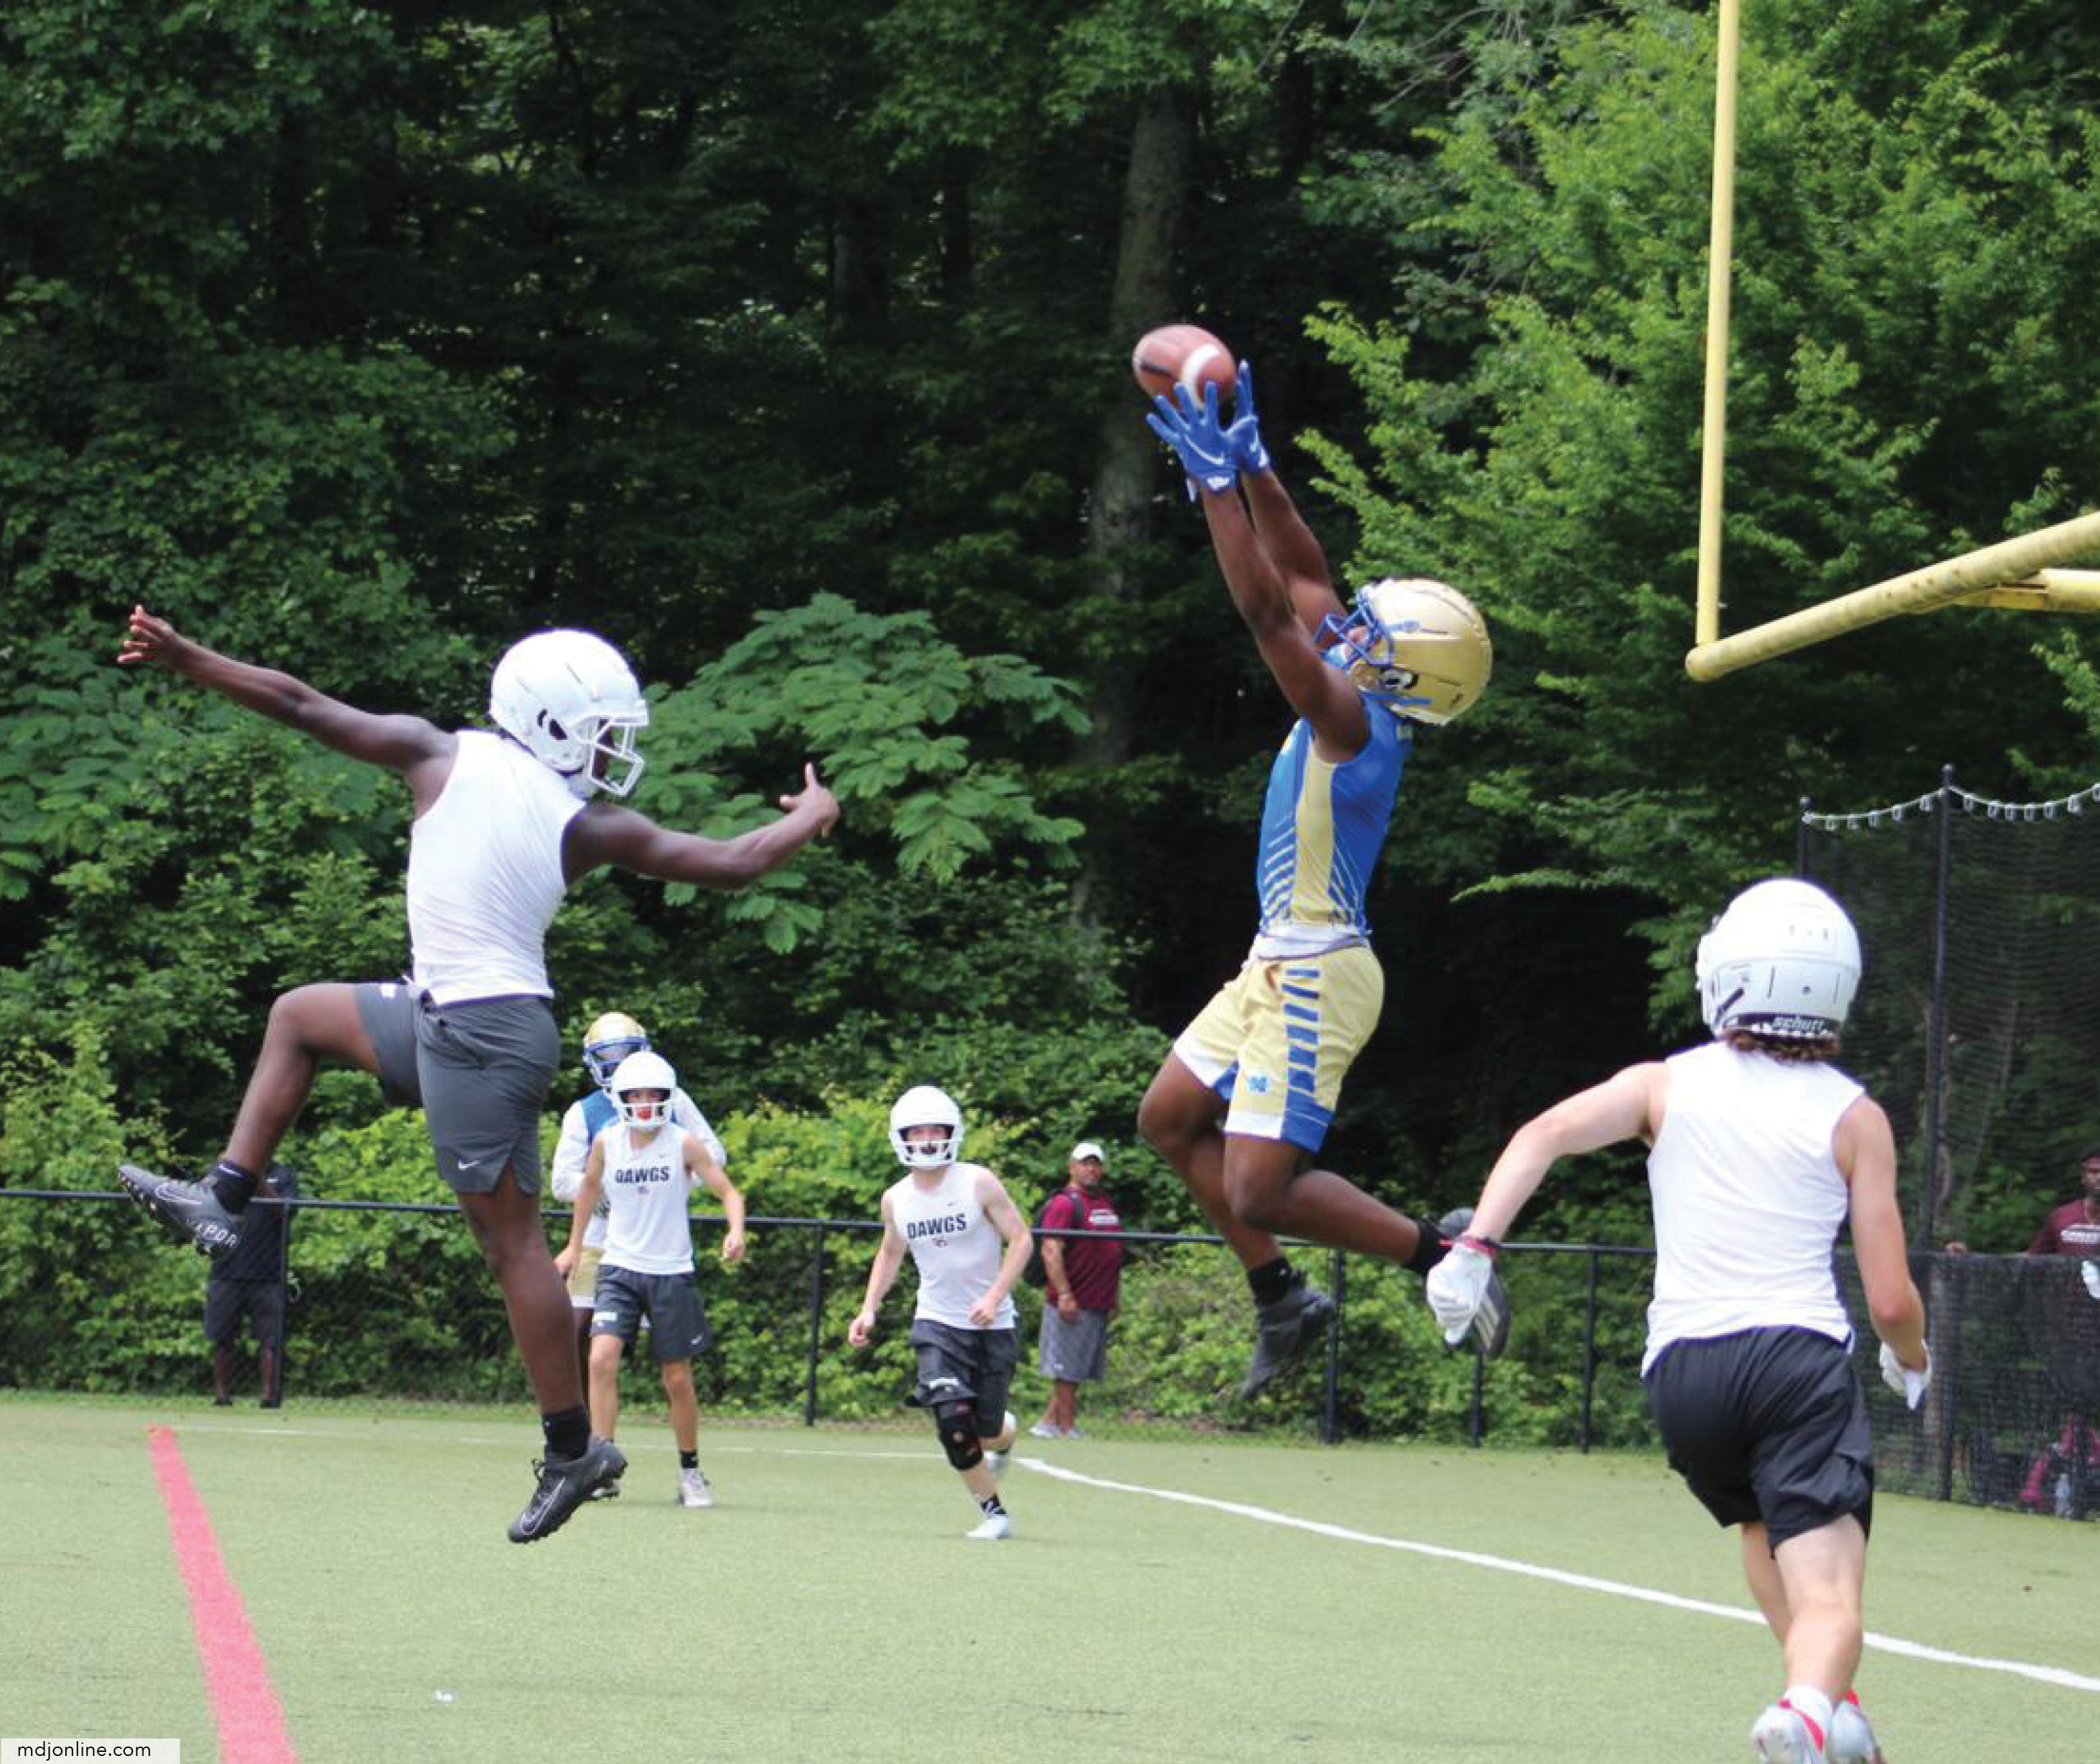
1760 1150
504 820
643 1166
609 1040
970 1244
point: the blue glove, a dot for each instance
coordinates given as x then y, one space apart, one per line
1244 436
1197 437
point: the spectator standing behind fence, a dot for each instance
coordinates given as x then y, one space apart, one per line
249 1282
1083 1280
1759 1150
951 1217
608 1041
645 1168
504 821
2058 1474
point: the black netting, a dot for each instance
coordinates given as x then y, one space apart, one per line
1978 1027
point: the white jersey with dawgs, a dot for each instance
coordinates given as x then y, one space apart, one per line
956 1246
1748 1196
648 1229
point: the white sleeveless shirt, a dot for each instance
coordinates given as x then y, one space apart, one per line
485 873
1747 1197
957 1248
648 1229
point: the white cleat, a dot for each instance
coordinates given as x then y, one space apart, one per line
693 1489
1851 1738
1047 1430
1782 1736
992 1527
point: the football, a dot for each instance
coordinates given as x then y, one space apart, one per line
1182 355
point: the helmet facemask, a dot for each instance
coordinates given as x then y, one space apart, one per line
569 699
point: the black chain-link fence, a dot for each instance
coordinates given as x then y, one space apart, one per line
394 1308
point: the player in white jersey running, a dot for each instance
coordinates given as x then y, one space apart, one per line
504 821
1759 1151
643 1166
953 1217
608 1040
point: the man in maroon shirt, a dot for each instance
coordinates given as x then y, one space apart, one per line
1085 1280
2074 1228
2070 1229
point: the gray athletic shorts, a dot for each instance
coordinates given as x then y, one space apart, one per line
973 1366
1076 1352
678 1322
480 1071
262 1302
1769 1424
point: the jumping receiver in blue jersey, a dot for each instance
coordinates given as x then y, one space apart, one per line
1241 1105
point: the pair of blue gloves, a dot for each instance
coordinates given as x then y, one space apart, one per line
1213 453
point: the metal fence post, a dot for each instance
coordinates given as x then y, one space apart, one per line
816 1331
1330 1400
1936 1045
1588 1347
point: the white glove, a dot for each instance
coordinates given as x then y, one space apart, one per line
2090 1273
1908 1385
1456 1286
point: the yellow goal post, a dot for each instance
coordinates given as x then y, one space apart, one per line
2022 574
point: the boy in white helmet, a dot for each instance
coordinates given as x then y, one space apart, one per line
953 1217
504 821
644 1166
609 1040
1760 1150
1241 1105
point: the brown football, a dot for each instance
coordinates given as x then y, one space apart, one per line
1182 355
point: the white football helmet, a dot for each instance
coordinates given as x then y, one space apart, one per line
573 701
924 1106
608 1041
1783 960
644 1071
1418 647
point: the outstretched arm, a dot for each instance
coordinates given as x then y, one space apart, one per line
1266 601
1866 1153
400 743
606 833
1626 1106
1277 525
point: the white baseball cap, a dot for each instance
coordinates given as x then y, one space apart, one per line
1088 1149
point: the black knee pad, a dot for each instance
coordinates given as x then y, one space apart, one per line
958 1425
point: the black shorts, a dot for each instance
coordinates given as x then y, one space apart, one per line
677 1321
973 1366
262 1302
1770 1424
479 1070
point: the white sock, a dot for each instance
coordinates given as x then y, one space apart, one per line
1805 1700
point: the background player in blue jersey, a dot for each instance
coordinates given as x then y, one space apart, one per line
1241 1105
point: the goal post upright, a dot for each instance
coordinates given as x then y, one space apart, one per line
1720 250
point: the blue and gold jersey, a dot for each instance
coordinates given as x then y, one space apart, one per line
1322 827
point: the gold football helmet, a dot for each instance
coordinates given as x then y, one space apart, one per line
1417 646
608 1041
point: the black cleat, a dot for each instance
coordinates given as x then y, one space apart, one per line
190 1212
565 1484
1284 1329
1491 1322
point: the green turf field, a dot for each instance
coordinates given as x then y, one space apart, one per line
1151 1607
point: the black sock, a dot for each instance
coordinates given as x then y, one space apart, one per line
1270 1282
688 1460
990 1506
234 1186
1429 1251
568 1431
